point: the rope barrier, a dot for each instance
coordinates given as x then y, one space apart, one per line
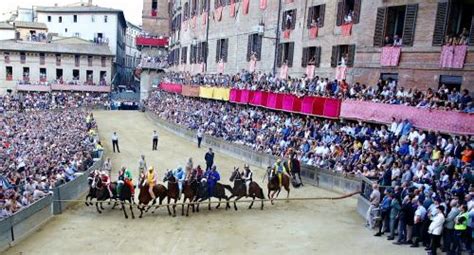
232 201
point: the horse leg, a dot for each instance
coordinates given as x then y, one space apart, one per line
209 204
168 206
141 211
149 206
219 204
97 207
87 197
123 209
235 202
131 207
174 207
182 206
251 203
115 204
288 193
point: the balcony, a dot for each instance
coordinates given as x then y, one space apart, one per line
151 41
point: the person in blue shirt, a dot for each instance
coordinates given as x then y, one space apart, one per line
406 127
180 175
385 212
212 177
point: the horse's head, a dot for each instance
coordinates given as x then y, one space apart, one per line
235 174
97 181
169 177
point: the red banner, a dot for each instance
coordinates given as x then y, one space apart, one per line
259 98
246 7
313 32
245 96
444 121
172 87
40 88
291 103
274 101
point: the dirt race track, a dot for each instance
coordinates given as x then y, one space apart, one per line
312 227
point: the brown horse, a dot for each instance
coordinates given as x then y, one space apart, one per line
173 190
240 190
190 190
274 185
144 197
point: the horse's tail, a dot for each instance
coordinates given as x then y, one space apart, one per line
261 192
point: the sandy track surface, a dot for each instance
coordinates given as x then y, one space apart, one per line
314 227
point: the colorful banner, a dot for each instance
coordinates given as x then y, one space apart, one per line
274 101
218 13
263 4
291 103
221 94
234 95
313 32
390 56
245 96
232 8
346 29
190 91
259 98
444 121
246 7
341 73
206 92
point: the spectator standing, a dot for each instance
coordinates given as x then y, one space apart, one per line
209 158
448 232
374 204
199 137
394 216
420 215
154 141
435 229
115 143
385 213
460 227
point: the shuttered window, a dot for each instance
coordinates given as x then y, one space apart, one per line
289 20
193 59
454 22
471 35
440 23
204 4
343 51
316 15
202 54
254 45
184 55
410 25
194 8
285 54
334 55
380 26
222 49
346 7
311 55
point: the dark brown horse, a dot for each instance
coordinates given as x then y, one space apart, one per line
144 197
274 185
218 192
190 190
104 194
173 190
240 190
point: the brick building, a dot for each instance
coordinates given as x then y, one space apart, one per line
155 17
211 32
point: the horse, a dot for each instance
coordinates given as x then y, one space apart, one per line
173 190
92 189
144 197
295 170
240 189
190 190
125 195
218 192
274 185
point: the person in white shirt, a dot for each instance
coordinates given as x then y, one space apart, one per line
420 215
154 141
115 142
436 228
374 204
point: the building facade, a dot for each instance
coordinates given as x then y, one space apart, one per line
69 61
155 17
223 36
132 53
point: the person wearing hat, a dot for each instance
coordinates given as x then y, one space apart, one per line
436 228
247 177
180 175
151 181
279 169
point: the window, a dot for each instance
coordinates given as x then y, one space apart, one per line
395 22
26 74
9 73
316 16
202 52
184 55
49 18
90 60
89 77
311 56
65 30
389 77
42 58
60 19
343 55
289 20
285 54
77 60
58 59
59 74
194 8
221 50
454 22
75 18
76 74
105 19
154 8
348 11
93 18
103 61
186 11
6 57
77 35
204 5
254 46
22 58
43 75
451 82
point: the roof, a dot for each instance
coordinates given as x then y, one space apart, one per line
82 9
4 25
56 47
26 24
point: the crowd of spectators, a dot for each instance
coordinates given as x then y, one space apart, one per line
387 91
417 168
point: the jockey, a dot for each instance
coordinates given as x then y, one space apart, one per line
247 177
197 174
212 177
180 175
151 180
279 169
106 181
125 177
